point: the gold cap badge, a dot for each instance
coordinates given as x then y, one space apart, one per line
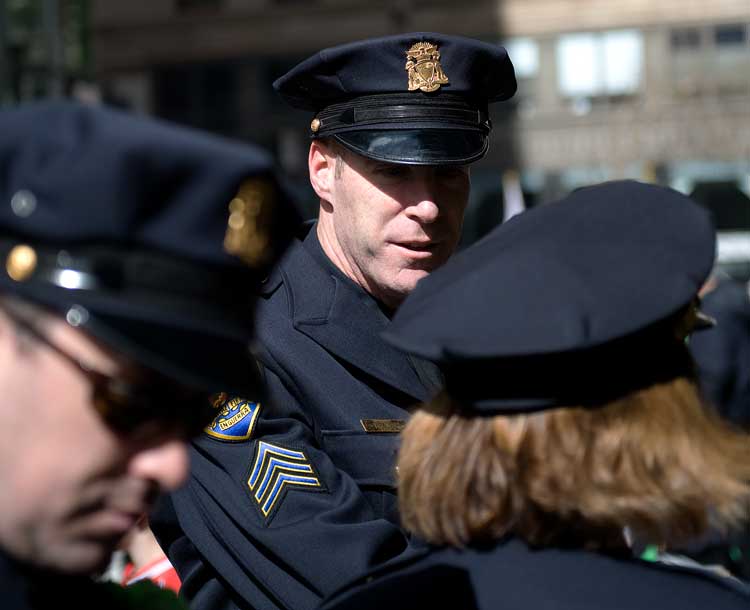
248 235
424 69
21 262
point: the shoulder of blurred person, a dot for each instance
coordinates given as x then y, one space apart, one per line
295 493
723 365
125 301
723 355
513 575
22 590
571 431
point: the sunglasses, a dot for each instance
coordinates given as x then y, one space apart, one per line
154 407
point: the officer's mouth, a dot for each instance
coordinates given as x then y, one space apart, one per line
418 249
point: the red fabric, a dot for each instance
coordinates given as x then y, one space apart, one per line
159 571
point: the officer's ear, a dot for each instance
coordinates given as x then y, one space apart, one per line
322 162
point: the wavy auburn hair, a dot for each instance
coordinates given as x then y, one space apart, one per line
655 461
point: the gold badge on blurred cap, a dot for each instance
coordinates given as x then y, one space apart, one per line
248 234
21 262
424 69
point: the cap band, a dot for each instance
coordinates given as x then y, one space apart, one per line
587 378
115 271
398 111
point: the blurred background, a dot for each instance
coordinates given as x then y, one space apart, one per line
653 90
656 90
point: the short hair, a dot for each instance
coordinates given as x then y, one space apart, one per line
656 461
338 151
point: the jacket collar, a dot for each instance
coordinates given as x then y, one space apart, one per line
344 319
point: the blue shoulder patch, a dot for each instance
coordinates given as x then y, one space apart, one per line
236 418
276 470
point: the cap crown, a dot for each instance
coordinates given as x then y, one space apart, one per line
600 264
160 233
474 69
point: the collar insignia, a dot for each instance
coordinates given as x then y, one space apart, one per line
248 235
382 426
424 69
276 470
236 418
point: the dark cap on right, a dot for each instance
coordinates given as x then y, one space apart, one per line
419 98
572 302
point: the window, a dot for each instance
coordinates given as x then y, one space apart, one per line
524 53
733 35
600 64
731 58
685 39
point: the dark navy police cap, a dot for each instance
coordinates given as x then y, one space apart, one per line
571 303
150 236
419 98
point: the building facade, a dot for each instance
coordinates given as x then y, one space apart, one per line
607 88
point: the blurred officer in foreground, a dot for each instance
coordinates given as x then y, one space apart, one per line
292 497
571 427
120 311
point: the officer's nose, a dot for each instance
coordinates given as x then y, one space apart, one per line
424 208
166 464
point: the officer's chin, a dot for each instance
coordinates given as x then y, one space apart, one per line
87 557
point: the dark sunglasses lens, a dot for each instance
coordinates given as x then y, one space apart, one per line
160 411
197 414
122 417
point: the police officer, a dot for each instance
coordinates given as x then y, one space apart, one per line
571 431
723 365
723 356
292 496
121 309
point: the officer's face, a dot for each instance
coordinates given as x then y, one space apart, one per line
71 486
386 225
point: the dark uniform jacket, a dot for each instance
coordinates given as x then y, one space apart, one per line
291 497
723 354
511 576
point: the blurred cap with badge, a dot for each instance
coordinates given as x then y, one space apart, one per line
418 99
149 236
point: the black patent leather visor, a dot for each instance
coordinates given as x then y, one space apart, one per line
417 146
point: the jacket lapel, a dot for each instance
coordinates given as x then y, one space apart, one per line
346 321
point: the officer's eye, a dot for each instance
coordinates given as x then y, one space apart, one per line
452 172
391 170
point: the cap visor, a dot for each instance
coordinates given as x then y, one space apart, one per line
417 146
204 361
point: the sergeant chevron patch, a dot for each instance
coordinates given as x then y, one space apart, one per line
277 469
236 418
